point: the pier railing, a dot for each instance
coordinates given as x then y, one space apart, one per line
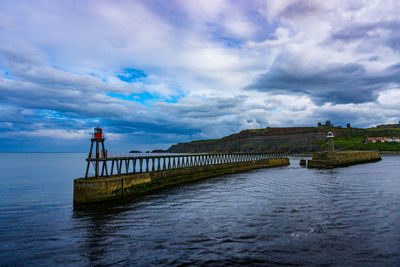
148 162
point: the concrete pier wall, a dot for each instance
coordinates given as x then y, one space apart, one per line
343 158
91 190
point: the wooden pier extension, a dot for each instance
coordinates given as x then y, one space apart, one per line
137 174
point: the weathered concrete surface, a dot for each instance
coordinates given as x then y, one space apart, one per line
91 190
328 160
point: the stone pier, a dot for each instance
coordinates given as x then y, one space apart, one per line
173 169
333 159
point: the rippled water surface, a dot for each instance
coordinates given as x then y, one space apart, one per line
289 215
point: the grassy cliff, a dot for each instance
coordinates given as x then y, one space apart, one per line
292 140
356 142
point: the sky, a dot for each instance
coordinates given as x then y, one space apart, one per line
153 73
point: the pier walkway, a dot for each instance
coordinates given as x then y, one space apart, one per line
126 165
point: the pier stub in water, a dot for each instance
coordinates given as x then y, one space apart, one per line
329 160
332 159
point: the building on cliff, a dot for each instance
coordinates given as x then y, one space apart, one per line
383 140
327 124
395 125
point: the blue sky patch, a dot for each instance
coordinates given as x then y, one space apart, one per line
52 114
138 97
6 74
145 97
173 98
131 75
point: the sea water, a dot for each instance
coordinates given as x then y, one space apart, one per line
287 215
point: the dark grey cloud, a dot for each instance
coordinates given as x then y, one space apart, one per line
374 58
385 33
335 83
211 108
300 8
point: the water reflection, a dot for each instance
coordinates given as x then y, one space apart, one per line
286 216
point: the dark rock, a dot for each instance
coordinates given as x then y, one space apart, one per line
159 151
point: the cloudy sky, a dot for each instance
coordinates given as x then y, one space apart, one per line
156 72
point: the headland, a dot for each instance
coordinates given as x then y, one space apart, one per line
294 140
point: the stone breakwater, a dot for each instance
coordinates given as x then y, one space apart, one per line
91 190
328 160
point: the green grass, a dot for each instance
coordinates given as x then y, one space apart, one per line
383 129
376 146
204 141
356 143
247 145
257 130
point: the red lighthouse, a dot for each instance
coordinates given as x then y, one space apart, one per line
101 153
98 133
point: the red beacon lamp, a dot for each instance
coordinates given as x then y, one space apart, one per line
98 133
98 138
